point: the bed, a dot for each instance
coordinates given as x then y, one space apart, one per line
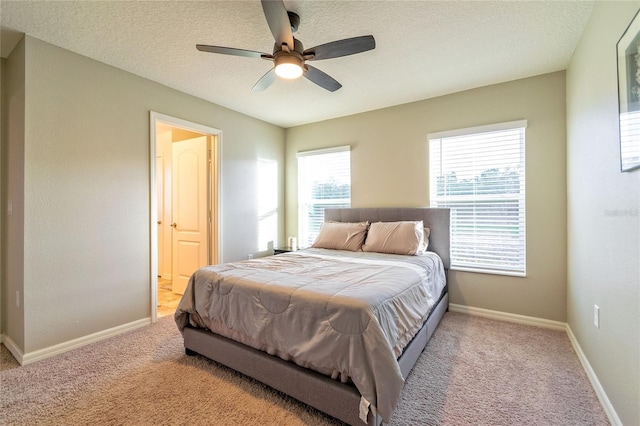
338 330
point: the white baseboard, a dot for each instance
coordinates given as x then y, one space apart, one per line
13 348
595 383
555 325
505 316
40 354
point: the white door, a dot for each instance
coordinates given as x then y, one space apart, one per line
190 210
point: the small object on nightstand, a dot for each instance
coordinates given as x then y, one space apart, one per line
280 250
293 243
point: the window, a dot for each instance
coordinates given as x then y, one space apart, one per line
479 173
324 181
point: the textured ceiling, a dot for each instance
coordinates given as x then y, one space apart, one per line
423 48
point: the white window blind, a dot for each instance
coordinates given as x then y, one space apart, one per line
324 181
479 174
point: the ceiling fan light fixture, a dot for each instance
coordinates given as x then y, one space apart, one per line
288 66
289 55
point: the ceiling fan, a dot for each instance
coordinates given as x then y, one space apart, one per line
289 56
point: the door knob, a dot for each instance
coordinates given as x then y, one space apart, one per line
159 222
173 225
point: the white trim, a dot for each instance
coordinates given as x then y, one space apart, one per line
218 224
555 325
479 129
13 348
595 383
154 118
153 211
324 151
490 271
41 354
184 124
505 316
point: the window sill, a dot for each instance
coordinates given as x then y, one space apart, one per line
488 271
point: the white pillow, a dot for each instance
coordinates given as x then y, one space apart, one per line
342 236
425 243
406 237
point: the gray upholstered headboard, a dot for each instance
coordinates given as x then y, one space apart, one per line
438 220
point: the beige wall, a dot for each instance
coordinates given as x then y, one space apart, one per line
13 189
389 166
603 215
86 192
75 149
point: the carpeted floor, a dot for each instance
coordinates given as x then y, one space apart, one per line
474 371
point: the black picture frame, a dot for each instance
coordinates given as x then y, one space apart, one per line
628 50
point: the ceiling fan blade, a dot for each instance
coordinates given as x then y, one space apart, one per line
265 81
231 51
336 49
278 21
322 79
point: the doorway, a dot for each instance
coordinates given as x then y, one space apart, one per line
185 200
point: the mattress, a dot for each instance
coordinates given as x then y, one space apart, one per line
347 315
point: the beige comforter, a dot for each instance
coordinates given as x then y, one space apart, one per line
344 314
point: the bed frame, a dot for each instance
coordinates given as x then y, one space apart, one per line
337 399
